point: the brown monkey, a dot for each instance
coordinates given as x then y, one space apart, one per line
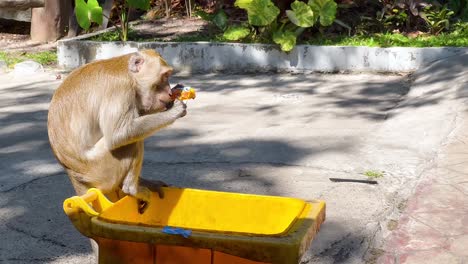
100 115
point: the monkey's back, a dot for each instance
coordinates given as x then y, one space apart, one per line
74 111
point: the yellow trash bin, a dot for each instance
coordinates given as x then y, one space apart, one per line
219 227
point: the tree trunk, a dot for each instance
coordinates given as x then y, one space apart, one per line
73 26
50 22
106 10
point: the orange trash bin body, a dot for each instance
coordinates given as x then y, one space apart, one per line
224 227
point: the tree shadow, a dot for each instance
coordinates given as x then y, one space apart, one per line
335 243
372 99
33 186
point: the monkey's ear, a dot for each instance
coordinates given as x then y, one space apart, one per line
135 62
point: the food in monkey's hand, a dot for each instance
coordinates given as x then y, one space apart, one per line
182 92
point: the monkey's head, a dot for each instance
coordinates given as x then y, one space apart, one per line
151 75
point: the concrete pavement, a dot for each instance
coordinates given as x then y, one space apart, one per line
433 227
267 134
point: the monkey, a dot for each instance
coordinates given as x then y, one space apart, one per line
99 117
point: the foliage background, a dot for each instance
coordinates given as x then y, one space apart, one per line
325 22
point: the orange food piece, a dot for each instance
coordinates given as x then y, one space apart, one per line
187 94
183 93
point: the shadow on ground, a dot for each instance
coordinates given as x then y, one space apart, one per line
33 187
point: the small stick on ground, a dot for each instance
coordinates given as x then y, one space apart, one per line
353 180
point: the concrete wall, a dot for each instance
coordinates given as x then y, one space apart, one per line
19 15
235 57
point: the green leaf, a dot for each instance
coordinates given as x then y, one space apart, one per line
81 12
96 15
236 33
244 4
325 9
95 11
92 4
301 14
139 4
87 13
259 12
220 20
286 39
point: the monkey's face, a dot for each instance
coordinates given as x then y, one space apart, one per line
163 94
156 99
152 75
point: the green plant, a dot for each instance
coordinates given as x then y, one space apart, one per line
437 19
325 10
460 28
42 57
236 33
259 12
87 13
458 38
90 11
374 174
402 15
394 18
286 39
114 35
220 19
265 24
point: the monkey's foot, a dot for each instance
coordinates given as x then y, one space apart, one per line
143 197
142 206
154 186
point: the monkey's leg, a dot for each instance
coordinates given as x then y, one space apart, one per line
131 186
77 181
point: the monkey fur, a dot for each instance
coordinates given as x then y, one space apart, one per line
100 115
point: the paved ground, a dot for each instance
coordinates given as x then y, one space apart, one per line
267 134
434 225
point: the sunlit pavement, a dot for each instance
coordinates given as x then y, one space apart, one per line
278 135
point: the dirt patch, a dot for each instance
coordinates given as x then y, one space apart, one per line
170 29
23 43
14 35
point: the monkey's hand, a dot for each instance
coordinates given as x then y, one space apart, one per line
179 109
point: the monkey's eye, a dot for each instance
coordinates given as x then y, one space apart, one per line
159 87
155 87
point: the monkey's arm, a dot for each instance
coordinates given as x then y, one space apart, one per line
143 126
128 130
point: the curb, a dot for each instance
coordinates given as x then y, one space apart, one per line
243 58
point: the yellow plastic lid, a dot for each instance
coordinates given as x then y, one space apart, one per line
211 211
